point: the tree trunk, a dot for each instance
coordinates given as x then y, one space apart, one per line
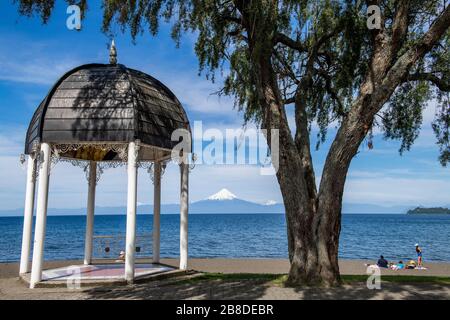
295 177
314 226
313 234
314 218
299 218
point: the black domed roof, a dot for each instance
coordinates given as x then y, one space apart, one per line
107 103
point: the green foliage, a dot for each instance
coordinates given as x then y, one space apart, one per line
44 7
441 126
403 117
440 64
280 279
30 7
340 71
232 35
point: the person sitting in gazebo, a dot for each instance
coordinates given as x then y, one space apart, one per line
122 256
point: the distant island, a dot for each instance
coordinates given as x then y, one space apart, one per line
421 210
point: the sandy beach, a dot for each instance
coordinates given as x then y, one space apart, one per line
281 266
261 266
12 288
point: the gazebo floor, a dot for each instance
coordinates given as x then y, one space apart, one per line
102 273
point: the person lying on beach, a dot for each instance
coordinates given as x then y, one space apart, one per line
382 262
398 266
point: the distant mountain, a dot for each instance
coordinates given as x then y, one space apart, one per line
223 194
233 206
225 201
221 202
372 208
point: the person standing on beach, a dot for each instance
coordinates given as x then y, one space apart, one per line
419 256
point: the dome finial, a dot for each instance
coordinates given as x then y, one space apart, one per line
113 53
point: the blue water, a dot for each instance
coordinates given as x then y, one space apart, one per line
364 236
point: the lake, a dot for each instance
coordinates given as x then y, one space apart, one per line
363 236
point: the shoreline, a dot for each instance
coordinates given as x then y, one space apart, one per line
218 213
237 279
248 265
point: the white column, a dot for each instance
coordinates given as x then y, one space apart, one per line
90 213
130 245
156 211
41 215
184 203
28 216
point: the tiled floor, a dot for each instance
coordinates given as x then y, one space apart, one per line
101 271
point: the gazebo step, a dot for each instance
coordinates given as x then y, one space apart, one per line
55 279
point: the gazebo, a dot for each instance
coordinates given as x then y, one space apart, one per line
98 116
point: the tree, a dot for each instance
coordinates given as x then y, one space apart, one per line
320 59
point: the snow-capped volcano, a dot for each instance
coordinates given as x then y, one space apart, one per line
223 194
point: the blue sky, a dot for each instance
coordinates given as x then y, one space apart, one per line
33 56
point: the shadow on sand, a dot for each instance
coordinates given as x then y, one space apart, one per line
252 289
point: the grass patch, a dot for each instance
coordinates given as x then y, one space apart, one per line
279 279
399 279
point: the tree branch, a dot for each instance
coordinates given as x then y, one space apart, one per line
232 19
400 70
314 52
235 32
289 42
400 25
360 118
338 28
438 82
302 143
332 92
289 100
439 26
286 66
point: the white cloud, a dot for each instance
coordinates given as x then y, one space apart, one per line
68 185
198 94
36 70
195 92
398 191
381 173
12 140
244 181
32 61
